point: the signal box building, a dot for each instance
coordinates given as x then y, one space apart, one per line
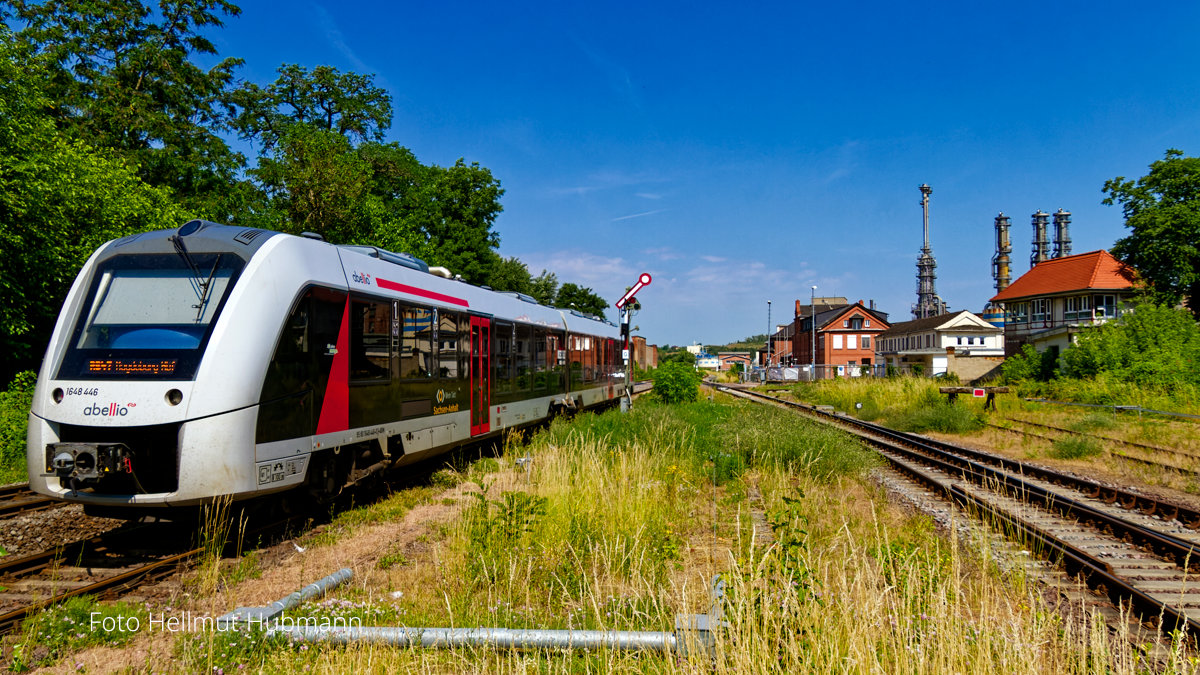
958 343
845 335
728 359
1049 304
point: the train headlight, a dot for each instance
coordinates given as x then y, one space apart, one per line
57 395
174 397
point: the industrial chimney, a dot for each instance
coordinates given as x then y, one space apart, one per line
928 303
1002 262
1041 244
1062 235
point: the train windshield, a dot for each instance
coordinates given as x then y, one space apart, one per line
149 316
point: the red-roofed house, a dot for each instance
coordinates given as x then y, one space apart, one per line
1048 304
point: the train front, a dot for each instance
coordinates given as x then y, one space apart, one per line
115 422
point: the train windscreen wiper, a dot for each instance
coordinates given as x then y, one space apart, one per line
200 286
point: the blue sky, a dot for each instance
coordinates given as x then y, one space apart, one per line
741 154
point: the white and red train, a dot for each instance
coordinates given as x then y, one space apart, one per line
212 360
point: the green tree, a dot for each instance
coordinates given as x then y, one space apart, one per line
59 200
582 299
455 211
346 103
680 356
317 182
120 74
510 274
1162 211
544 288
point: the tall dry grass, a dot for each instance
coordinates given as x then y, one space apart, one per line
621 521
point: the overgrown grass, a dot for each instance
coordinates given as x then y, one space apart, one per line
1095 422
1104 389
904 403
1075 447
619 522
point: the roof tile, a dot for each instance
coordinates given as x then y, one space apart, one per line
1085 271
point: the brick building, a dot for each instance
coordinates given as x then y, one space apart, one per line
644 355
726 360
845 338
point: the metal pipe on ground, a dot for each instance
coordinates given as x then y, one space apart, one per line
260 615
693 633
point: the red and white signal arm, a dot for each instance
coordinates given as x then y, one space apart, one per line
643 280
979 393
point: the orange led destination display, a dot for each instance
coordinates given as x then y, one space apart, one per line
132 366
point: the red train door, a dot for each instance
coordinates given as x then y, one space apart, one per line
481 375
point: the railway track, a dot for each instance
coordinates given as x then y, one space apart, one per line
105 566
17 499
1139 551
1158 464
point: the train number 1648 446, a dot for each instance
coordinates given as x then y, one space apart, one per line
80 391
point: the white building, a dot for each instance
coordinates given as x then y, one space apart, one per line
958 343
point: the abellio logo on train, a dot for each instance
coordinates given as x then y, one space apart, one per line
110 410
361 278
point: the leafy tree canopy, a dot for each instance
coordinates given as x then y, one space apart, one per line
59 200
582 299
544 288
347 103
1162 211
510 274
120 74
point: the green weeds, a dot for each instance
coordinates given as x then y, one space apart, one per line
1074 447
76 624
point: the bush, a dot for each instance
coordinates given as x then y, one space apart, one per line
675 382
14 421
1030 364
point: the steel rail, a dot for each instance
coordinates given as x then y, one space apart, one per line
1127 499
1108 439
16 499
1118 455
1098 573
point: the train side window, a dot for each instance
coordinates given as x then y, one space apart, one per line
370 333
541 366
522 351
449 363
502 336
416 343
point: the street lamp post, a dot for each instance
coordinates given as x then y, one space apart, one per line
768 363
812 318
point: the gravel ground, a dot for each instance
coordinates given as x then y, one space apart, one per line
38 531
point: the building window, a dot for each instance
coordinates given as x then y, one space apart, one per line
1017 313
851 342
856 323
1106 306
866 342
867 323
1078 308
837 341
1037 310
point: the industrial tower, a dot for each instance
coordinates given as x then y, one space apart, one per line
928 303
